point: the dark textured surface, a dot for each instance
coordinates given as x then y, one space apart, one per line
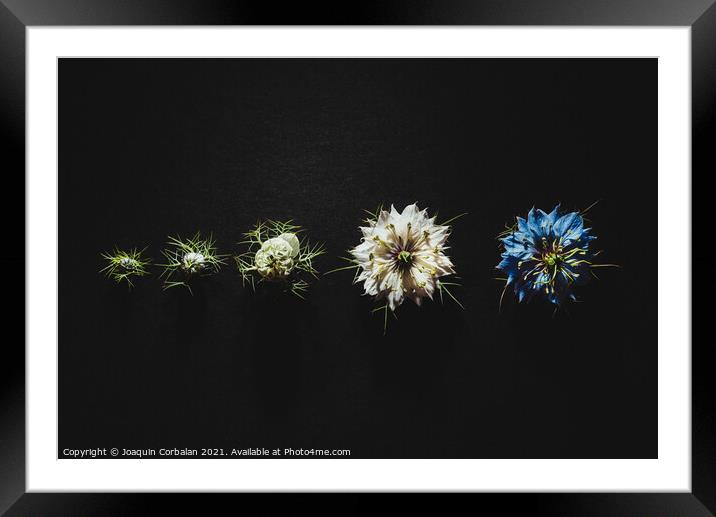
149 148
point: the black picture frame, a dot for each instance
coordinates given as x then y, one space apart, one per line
17 15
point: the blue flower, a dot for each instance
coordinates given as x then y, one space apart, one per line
547 255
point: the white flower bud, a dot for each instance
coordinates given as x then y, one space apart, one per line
193 262
274 261
128 263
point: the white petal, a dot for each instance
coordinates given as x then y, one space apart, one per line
292 241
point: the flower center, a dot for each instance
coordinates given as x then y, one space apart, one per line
405 257
128 263
555 260
551 259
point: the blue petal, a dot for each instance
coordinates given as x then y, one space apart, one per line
522 225
511 276
569 226
516 245
507 263
539 222
554 214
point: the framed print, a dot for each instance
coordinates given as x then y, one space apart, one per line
406 252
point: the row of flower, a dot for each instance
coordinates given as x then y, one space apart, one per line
401 255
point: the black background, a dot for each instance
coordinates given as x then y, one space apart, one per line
156 147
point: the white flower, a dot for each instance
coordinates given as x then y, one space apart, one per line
193 262
275 259
402 255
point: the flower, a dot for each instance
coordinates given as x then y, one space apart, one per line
275 254
193 262
274 260
123 265
188 259
547 255
402 255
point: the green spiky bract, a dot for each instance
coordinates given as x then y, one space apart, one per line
123 265
303 263
176 274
